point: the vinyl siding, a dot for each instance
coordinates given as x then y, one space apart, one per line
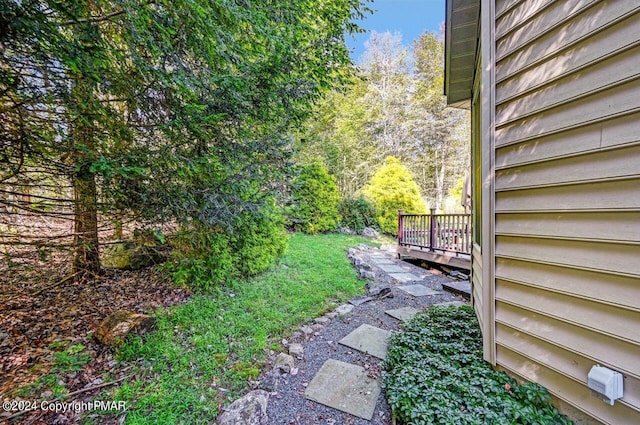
476 284
567 197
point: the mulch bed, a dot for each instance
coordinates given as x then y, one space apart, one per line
41 313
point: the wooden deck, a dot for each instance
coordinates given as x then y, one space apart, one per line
439 238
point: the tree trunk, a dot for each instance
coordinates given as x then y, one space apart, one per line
441 161
440 187
86 261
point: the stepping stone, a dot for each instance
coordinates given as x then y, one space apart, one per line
345 387
392 269
368 339
453 303
383 262
418 290
405 313
461 288
404 277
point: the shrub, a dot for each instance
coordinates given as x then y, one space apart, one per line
201 258
206 256
357 213
436 375
392 188
259 239
315 201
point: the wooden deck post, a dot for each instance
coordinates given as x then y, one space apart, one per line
400 227
432 229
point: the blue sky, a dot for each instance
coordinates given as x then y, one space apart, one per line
408 17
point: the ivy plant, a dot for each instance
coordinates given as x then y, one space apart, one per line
435 374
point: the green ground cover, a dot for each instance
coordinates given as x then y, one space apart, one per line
203 353
436 375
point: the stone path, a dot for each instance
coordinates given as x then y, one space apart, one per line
369 340
347 387
338 359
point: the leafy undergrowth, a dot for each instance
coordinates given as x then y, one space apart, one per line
47 351
436 375
205 353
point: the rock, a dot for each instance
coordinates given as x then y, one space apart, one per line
344 310
367 274
370 232
113 330
270 381
297 336
296 350
351 252
379 290
361 300
331 315
346 231
317 327
284 363
357 261
248 410
365 266
131 256
307 331
322 320
459 275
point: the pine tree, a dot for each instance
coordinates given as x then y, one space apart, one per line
315 200
161 111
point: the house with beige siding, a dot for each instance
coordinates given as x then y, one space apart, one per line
554 93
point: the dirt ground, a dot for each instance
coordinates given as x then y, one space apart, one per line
42 314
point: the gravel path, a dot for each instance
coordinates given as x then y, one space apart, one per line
288 406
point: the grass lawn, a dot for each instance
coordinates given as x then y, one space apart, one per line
203 352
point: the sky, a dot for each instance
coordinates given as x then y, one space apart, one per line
408 17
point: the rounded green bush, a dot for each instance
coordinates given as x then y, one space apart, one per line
357 213
206 256
315 201
202 257
391 189
258 241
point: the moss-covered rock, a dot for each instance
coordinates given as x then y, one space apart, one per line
131 256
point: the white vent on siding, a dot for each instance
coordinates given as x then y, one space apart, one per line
606 384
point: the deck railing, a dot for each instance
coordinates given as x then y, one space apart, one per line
435 232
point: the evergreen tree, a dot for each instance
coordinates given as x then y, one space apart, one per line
162 111
315 201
